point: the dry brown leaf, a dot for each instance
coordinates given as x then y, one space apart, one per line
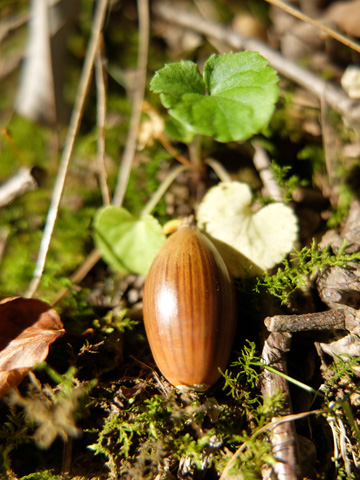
27 328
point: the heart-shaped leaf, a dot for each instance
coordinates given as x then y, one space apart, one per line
234 100
249 242
27 328
127 243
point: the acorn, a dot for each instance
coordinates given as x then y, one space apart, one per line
189 310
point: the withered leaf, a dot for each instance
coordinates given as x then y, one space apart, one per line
27 328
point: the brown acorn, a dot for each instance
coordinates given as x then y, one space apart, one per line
189 310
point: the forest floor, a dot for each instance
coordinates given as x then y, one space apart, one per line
288 404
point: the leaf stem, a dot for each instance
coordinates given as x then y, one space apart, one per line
293 380
195 152
220 171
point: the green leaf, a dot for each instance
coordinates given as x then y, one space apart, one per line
127 244
241 90
176 80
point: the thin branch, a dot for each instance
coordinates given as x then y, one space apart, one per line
261 162
268 427
170 149
336 97
79 275
283 439
23 181
100 118
8 25
344 318
69 144
95 256
220 171
131 141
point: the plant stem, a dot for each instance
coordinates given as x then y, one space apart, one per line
220 171
195 152
162 189
100 120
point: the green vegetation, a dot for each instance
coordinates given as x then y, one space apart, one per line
295 272
142 438
99 401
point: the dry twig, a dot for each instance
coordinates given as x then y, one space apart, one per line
101 117
283 439
130 146
23 181
128 155
69 145
261 162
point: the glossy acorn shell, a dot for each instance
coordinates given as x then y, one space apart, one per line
189 310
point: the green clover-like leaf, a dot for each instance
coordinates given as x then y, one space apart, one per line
234 101
127 243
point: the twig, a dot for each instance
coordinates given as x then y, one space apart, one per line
79 275
69 145
346 318
7 135
305 18
261 162
270 426
22 182
95 256
336 97
100 118
170 149
283 439
36 98
4 234
331 146
220 171
128 155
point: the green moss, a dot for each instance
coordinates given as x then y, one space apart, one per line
294 273
31 141
44 475
141 438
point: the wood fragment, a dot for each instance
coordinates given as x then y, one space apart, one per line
261 162
346 318
23 181
283 437
305 322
